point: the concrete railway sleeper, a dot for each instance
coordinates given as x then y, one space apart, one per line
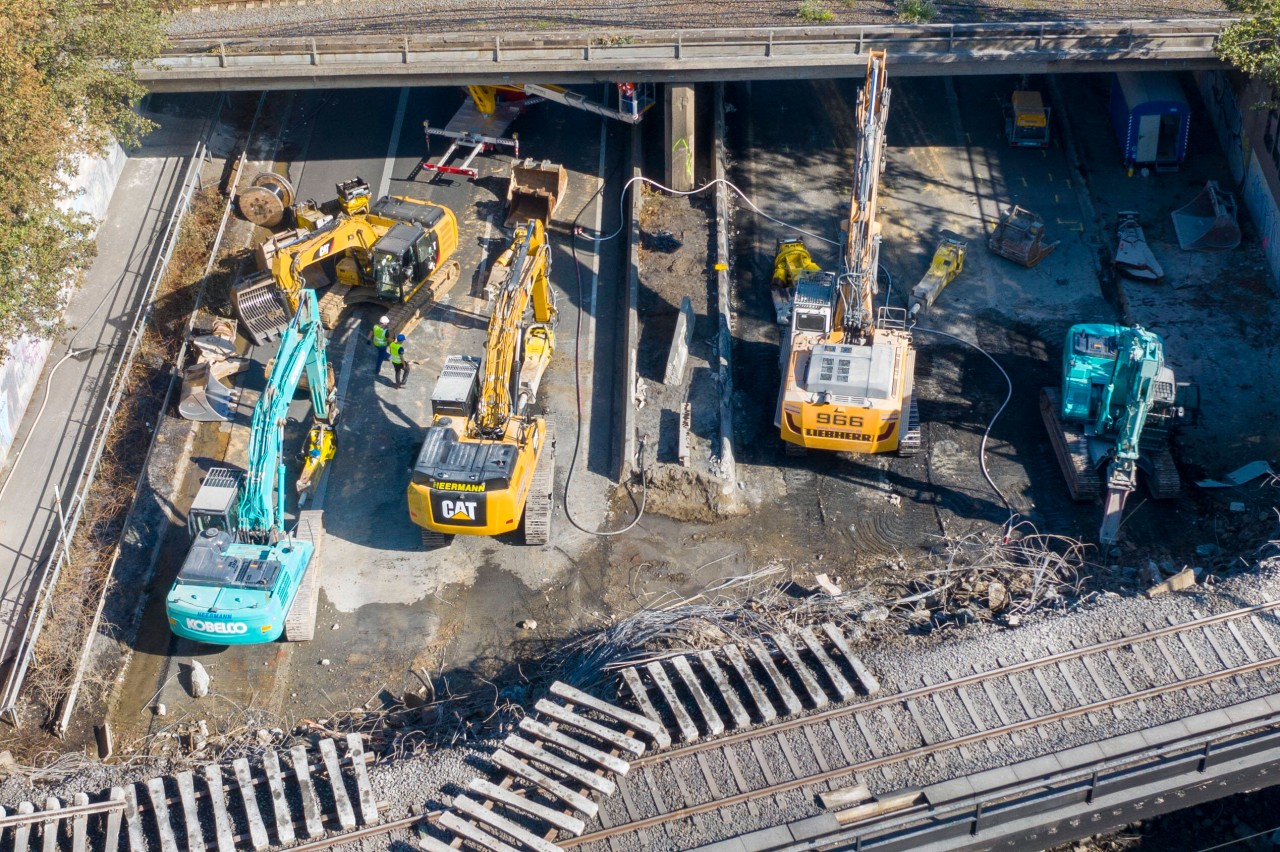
544 791
218 810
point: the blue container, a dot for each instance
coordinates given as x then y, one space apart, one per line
1151 117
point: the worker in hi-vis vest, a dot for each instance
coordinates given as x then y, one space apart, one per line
401 365
380 338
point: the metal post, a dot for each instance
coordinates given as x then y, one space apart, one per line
768 48
1093 788
1204 757
406 50
679 44
977 820
497 48
222 54
315 54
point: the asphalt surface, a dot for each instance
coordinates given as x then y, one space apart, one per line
51 450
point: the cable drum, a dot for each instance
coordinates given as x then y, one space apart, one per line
266 200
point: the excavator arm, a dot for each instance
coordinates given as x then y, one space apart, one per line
521 281
1126 401
854 310
302 352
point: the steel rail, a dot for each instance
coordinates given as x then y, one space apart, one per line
919 751
37 817
932 689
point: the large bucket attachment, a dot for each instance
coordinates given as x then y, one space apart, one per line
1133 256
1020 237
534 191
261 307
204 398
1209 222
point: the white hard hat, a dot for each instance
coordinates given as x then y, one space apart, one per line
385 320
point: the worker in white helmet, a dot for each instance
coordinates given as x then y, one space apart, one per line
380 337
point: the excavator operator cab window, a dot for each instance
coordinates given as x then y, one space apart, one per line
1095 345
198 522
390 274
426 251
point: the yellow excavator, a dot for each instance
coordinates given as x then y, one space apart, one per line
848 368
487 462
397 253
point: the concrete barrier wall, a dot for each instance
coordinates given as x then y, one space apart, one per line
20 374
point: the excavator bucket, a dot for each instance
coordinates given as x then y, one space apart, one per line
1134 258
1208 222
204 398
261 307
534 191
1020 237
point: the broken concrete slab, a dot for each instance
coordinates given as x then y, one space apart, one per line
681 338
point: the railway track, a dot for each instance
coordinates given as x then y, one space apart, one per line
750 729
222 808
797 757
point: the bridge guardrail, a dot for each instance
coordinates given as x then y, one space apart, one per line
780 47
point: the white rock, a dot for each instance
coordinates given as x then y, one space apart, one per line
161 710
325 661
528 624
199 680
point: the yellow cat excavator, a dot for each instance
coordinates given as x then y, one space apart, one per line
848 368
487 462
397 253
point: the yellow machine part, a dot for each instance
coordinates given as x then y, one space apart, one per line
321 448
792 259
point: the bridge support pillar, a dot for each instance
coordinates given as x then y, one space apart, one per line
679 118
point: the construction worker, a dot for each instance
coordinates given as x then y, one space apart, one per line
398 362
380 337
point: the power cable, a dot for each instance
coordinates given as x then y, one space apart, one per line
982 449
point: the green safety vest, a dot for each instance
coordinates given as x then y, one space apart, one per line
379 335
396 350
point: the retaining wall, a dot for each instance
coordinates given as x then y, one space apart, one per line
20 374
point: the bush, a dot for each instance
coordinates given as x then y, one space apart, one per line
815 12
916 11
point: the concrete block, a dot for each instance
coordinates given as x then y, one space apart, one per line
1184 579
678 357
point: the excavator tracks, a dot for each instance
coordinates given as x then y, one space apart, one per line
911 441
539 503
405 316
1164 483
1071 448
300 623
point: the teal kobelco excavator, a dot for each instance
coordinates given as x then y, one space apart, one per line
1117 407
247 579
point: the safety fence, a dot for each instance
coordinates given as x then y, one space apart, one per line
69 516
760 49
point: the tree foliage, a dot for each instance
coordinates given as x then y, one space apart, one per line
1252 43
66 88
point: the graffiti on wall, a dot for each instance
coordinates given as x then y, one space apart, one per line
1261 203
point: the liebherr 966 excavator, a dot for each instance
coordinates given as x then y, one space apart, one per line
487 461
1117 405
848 368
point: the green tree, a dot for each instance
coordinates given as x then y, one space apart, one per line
66 72
1252 43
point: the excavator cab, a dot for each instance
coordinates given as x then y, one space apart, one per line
216 504
402 259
